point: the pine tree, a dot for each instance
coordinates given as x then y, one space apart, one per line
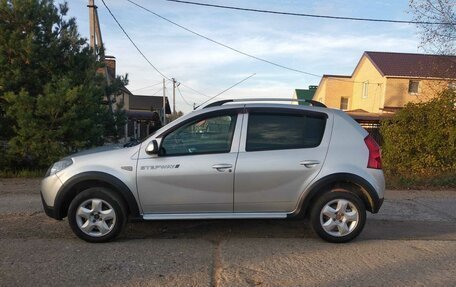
50 93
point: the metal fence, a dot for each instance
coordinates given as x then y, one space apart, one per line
374 130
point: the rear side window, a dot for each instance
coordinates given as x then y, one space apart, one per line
269 131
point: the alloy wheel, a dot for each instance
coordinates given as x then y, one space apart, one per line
339 217
95 217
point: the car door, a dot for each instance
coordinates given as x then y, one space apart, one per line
281 151
194 170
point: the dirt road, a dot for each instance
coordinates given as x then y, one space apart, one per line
412 241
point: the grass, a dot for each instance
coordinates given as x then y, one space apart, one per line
22 173
433 182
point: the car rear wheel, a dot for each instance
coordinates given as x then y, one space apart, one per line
97 215
338 216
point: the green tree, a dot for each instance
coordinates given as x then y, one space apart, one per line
421 138
51 96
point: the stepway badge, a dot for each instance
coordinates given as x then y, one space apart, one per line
165 166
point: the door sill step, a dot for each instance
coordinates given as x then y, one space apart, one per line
213 215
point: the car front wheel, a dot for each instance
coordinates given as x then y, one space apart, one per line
338 216
97 215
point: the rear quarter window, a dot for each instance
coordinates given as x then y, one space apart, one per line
271 131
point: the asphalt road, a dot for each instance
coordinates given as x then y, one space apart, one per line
411 242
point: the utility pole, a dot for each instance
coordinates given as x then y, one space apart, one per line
95 41
92 8
164 102
174 96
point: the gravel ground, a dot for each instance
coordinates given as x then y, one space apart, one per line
411 242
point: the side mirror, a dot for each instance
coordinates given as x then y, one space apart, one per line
152 147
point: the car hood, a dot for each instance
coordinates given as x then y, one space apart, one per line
97 150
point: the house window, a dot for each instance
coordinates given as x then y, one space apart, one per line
344 103
414 87
365 89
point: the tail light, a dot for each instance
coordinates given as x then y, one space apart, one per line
375 158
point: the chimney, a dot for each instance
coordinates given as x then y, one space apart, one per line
110 62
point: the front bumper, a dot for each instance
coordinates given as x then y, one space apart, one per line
49 188
50 211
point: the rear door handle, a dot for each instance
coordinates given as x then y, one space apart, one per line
222 166
309 163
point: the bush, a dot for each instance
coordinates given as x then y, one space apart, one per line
420 140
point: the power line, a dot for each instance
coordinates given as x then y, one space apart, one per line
190 88
140 52
158 91
159 83
312 15
134 44
221 44
185 101
225 90
193 32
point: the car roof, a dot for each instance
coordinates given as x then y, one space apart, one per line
265 105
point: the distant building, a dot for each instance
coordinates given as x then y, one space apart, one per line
305 94
144 113
384 82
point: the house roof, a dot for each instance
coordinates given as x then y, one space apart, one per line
413 65
143 115
325 76
363 116
148 103
336 76
306 94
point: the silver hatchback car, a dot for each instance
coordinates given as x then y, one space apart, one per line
232 159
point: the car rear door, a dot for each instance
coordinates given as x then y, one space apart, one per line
281 152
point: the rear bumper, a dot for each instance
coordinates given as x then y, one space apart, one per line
377 204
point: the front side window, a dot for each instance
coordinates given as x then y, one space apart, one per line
414 87
284 131
208 135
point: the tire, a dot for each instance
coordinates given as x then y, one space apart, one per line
338 216
97 215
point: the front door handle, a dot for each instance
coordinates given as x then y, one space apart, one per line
222 166
309 163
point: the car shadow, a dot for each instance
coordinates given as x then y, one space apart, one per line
220 229
281 228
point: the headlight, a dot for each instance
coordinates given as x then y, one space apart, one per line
58 166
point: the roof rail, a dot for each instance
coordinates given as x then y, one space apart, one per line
222 102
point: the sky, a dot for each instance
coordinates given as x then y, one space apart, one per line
318 46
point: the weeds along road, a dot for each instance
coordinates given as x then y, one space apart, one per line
412 241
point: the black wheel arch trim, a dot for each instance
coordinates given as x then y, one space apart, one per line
374 202
60 201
